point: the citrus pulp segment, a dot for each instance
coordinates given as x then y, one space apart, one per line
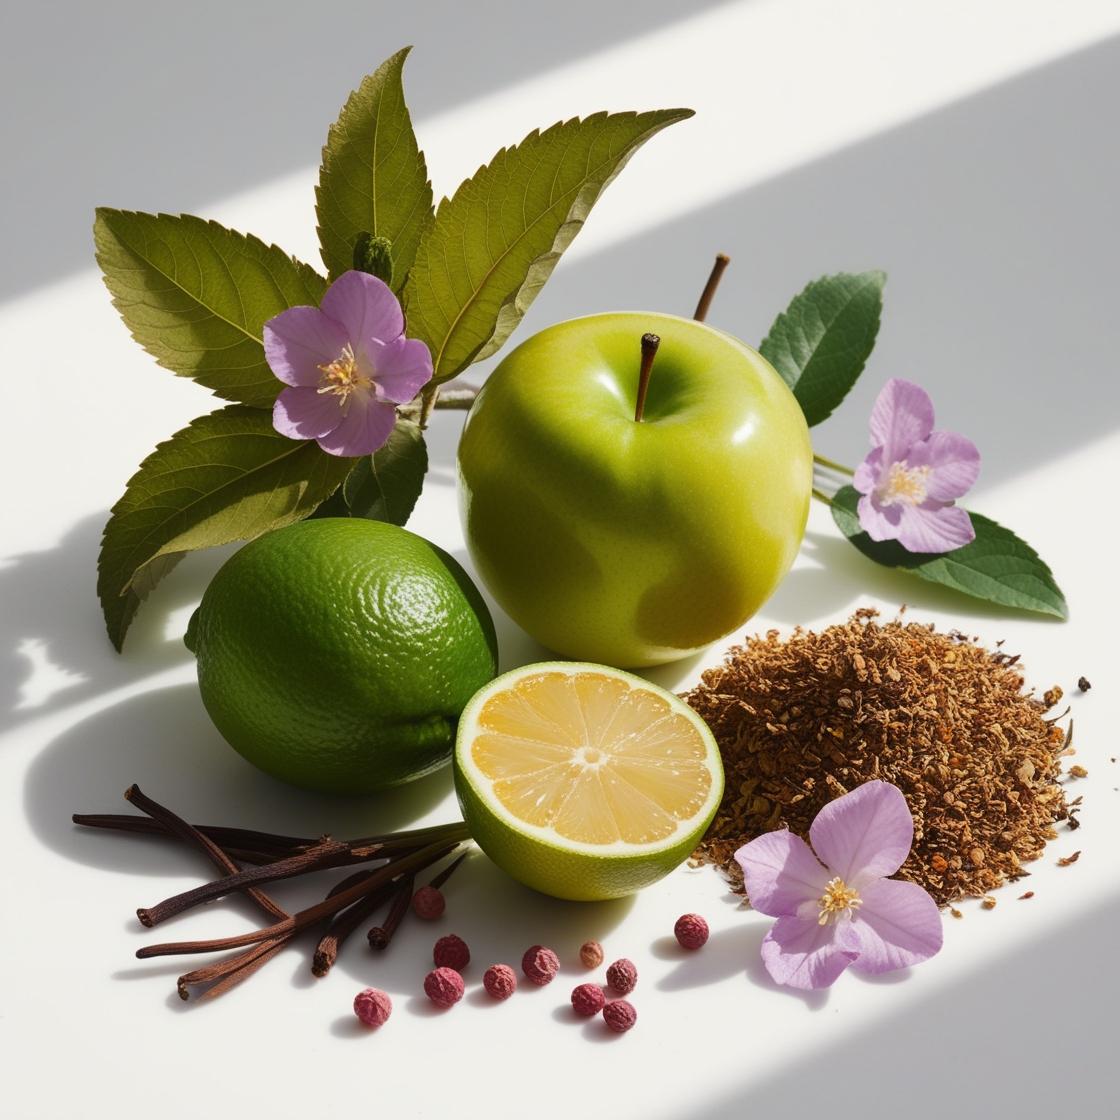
583 781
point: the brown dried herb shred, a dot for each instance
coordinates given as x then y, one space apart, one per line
802 720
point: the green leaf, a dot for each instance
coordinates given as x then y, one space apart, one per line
384 486
225 477
373 178
196 296
494 244
822 341
997 566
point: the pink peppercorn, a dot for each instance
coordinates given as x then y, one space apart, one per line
428 903
622 976
499 981
451 952
691 931
620 1016
588 999
539 964
373 1006
591 954
443 986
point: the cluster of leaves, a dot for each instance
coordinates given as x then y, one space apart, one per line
196 296
820 345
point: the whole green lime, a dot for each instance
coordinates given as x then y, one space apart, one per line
337 654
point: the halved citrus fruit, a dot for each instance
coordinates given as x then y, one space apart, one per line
583 781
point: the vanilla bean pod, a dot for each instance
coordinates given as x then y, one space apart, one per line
305 918
190 835
344 924
328 853
380 936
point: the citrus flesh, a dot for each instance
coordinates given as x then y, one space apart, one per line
583 781
337 653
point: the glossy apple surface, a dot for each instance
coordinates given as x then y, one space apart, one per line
633 543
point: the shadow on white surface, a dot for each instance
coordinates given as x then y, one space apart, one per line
950 1053
971 209
164 107
48 603
837 578
164 741
992 218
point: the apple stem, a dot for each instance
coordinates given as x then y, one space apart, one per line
650 343
714 277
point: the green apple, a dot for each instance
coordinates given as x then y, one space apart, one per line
633 542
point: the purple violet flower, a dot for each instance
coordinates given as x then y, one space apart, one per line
913 474
347 365
837 907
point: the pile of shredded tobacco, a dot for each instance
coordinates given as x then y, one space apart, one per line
803 720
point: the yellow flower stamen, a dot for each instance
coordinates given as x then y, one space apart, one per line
905 486
342 376
838 899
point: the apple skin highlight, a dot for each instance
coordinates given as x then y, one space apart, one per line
633 543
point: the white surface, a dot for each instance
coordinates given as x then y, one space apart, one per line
968 149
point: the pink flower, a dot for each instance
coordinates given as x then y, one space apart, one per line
347 365
913 474
837 907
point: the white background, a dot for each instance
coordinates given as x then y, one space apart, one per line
967 148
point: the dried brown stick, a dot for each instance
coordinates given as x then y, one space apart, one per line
190 835
305 918
233 970
226 837
257 842
449 870
328 853
380 936
344 924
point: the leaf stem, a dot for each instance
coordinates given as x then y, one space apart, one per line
714 277
834 466
821 496
428 397
457 399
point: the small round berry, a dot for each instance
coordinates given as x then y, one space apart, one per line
428 903
620 1016
691 931
622 976
373 1006
588 999
451 952
591 954
443 986
539 964
499 981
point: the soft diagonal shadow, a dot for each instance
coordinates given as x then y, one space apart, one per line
991 218
166 107
935 1055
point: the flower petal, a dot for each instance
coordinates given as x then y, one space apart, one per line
305 413
880 523
869 472
781 873
954 464
807 955
933 527
901 417
864 835
363 430
897 924
401 368
298 341
365 306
